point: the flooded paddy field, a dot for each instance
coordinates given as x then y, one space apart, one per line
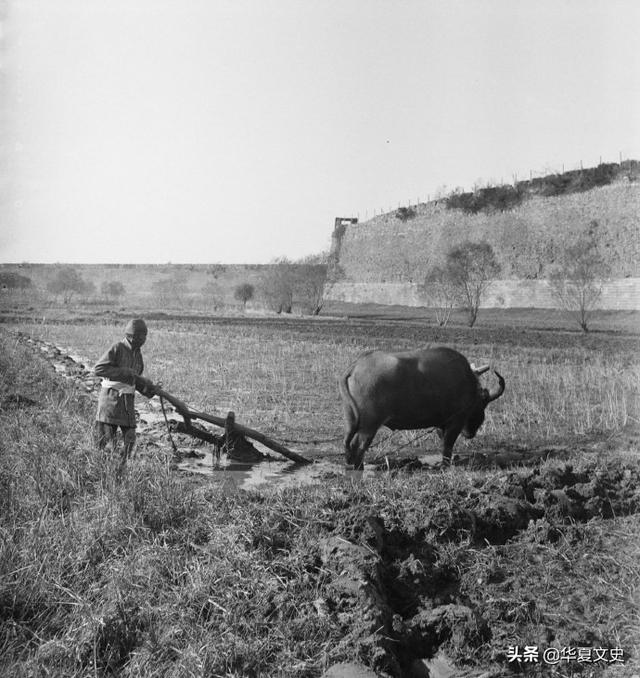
271 568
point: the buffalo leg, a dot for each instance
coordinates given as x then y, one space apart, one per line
359 443
351 426
448 441
348 440
356 441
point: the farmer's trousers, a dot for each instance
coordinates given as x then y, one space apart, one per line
107 434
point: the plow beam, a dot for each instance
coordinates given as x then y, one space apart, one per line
188 414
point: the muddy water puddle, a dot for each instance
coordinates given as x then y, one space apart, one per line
239 474
234 475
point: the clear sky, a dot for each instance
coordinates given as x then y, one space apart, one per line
234 131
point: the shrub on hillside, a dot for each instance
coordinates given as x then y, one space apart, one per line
507 196
405 213
500 198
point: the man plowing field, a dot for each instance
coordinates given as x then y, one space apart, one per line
121 371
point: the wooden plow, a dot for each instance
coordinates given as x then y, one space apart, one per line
232 430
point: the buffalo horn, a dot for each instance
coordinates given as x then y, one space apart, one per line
479 370
493 395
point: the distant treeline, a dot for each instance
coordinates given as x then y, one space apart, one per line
282 285
508 196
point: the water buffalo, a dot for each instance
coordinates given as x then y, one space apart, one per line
424 388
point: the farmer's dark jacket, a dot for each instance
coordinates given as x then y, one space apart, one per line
121 364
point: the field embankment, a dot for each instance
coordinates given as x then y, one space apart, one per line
165 574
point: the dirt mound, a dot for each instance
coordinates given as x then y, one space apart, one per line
560 491
502 505
396 603
399 596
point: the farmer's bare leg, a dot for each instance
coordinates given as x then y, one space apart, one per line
105 434
129 435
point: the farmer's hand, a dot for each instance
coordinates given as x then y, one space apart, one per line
145 386
155 387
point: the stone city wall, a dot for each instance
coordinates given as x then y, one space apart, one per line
621 294
384 260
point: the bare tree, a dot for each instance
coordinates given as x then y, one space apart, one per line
68 282
577 282
244 293
302 282
470 268
440 292
172 289
277 285
216 270
311 276
311 288
112 288
213 294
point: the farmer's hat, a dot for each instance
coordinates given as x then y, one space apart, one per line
136 326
